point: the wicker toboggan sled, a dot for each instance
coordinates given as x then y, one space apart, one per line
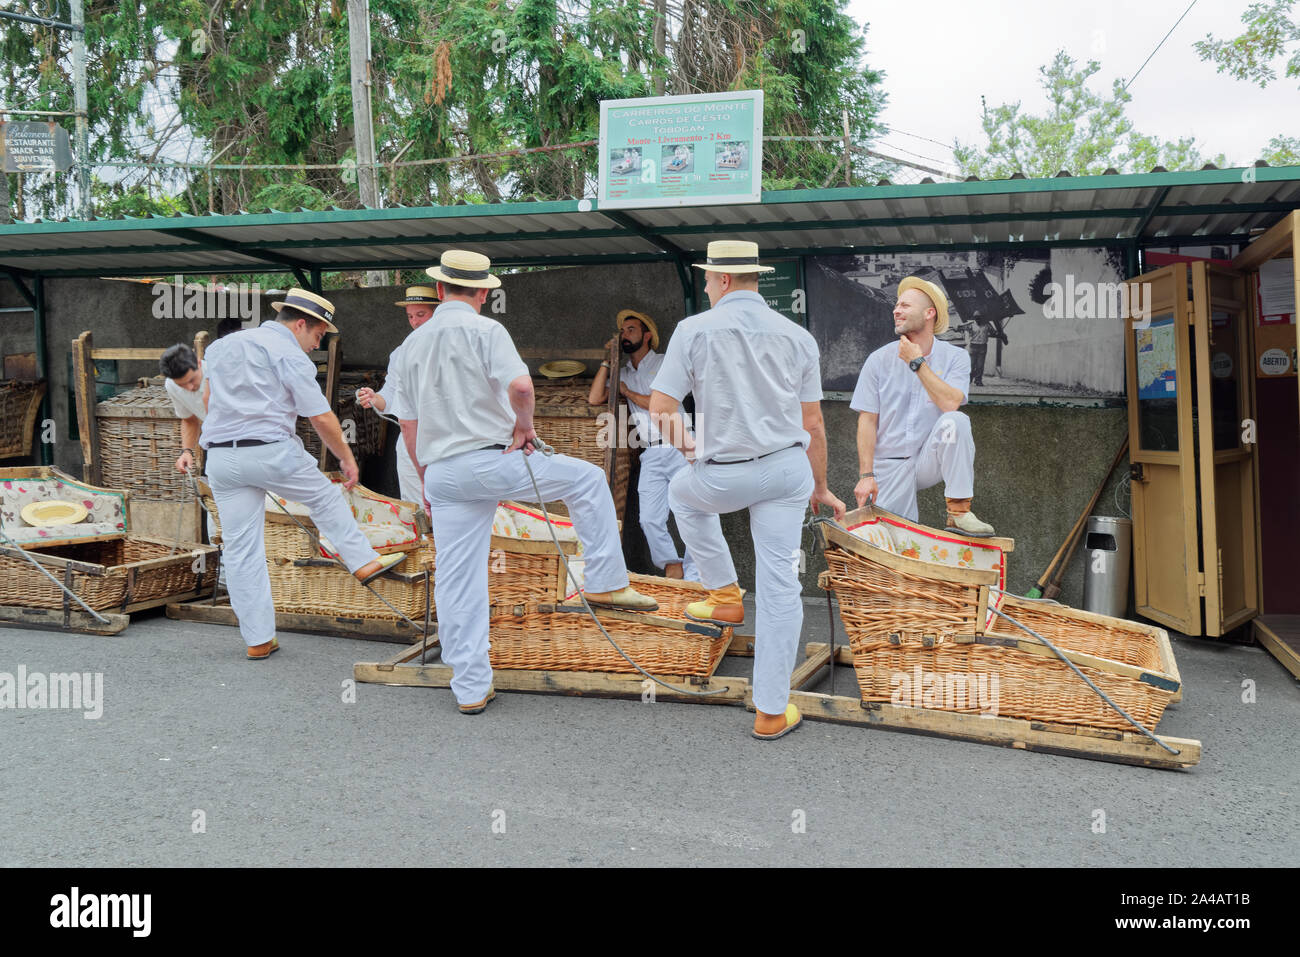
920 607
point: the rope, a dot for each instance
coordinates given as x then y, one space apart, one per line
1104 697
548 451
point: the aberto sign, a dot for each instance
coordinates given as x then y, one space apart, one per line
34 147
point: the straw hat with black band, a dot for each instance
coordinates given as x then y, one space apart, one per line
460 267
734 256
936 296
419 296
641 317
309 305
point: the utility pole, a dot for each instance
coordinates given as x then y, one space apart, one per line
660 39
79 96
363 130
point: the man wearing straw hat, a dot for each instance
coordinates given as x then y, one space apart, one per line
419 303
259 382
760 444
638 338
465 401
910 434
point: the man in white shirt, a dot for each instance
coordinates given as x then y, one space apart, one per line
465 402
760 444
259 382
910 434
639 339
184 380
419 302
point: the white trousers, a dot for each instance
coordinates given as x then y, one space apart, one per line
463 492
659 463
947 455
240 479
408 477
776 490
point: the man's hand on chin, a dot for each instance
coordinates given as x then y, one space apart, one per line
907 349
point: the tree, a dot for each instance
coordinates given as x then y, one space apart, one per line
266 82
1282 151
1083 132
1271 28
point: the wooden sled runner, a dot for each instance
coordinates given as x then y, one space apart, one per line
1060 732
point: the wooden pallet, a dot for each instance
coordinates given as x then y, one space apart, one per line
369 629
405 669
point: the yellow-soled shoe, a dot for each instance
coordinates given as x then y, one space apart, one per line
625 599
792 720
386 564
727 614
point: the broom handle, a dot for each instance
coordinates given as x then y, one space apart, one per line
1075 531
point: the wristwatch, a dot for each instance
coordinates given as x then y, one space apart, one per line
915 364
863 475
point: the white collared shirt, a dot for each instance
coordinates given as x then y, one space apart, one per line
641 379
184 402
453 378
750 368
261 381
888 387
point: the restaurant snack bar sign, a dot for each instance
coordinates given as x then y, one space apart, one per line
681 150
34 147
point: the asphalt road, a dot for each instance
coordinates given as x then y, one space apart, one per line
285 771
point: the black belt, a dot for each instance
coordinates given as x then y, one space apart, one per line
237 443
493 448
754 459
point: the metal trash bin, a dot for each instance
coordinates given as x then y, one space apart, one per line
1108 551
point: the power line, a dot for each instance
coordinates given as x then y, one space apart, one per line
1160 44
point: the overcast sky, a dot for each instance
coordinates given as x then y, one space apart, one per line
940 56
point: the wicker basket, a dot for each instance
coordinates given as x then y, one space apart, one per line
370 429
520 572
20 404
922 635
108 574
139 440
544 639
564 420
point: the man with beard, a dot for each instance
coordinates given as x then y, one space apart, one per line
419 303
639 338
910 434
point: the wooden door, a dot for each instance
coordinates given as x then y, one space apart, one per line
1227 449
1158 367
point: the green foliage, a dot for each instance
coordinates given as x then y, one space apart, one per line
1271 28
267 82
1083 132
1282 151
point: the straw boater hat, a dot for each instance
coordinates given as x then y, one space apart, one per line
464 268
418 296
936 296
310 305
733 256
53 512
645 320
562 368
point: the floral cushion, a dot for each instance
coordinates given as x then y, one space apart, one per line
107 510
527 521
385 522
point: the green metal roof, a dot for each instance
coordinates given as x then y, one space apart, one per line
1145 209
